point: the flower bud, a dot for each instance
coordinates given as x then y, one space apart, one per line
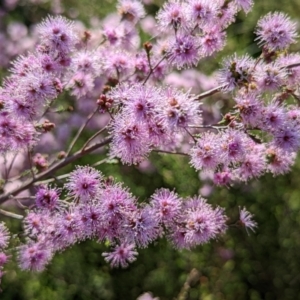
61 155
40 162
48 126
147 46
104 102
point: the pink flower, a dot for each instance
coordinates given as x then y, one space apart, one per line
34 256
293 74
222 178
3 259
213 40
273 117
184 52
246 219
269 77
276 31
84 183
202 12
166 205
206 153
287 138
254 163
246 5
141 226
57 34
236 72
279 161
118 63
180 109
251 108
121 255
202 221
131 10
47 198
4 236
130 140
172 16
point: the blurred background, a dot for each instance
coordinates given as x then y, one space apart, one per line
261 265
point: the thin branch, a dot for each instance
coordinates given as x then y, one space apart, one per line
20 204
10 214
170 152
23 174
6 170
216 127
52 179
149 60
47 109
295 96
60 164
210 92
191 280
100 162
92 137
152 69
101 43
90 116
219 88
23 198
128 77
195 141
30 163
10 167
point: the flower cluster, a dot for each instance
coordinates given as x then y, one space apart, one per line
149 118
36 80
275 31
144 99
104 210
199 28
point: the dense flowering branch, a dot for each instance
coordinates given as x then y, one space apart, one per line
129 89
102 209
56 166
